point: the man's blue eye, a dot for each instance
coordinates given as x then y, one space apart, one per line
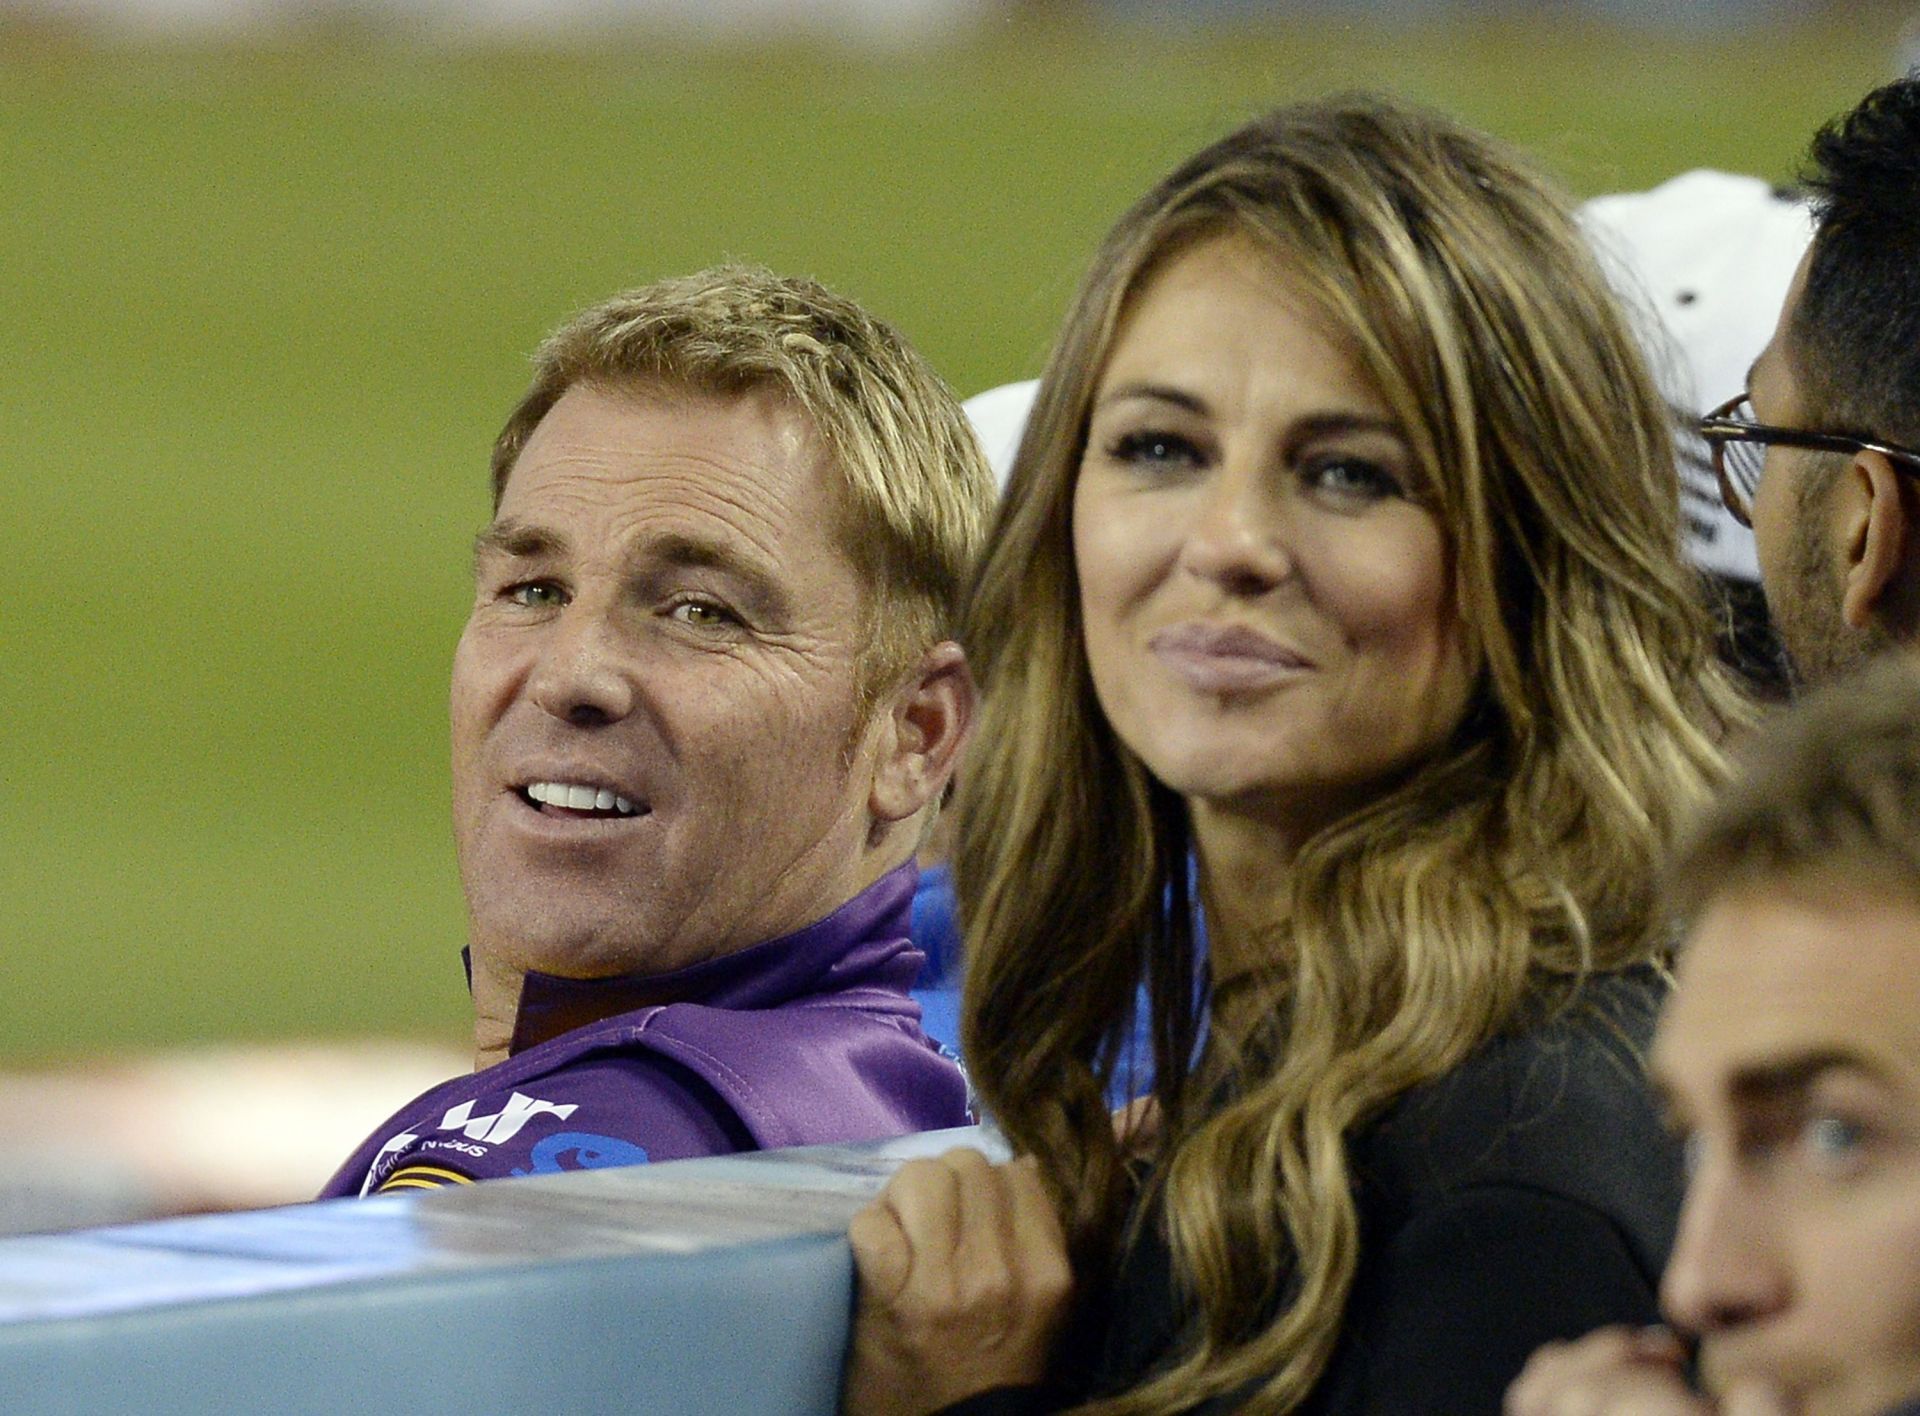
1833 1137
701 614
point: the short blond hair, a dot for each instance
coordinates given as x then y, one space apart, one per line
1831 786
919 494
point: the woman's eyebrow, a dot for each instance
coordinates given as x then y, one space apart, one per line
1331 423
1335 424
1154 393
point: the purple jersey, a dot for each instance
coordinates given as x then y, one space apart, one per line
803 1040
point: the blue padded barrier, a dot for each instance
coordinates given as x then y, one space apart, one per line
711 1286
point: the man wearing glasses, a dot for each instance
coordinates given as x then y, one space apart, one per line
1819 454
1789 1055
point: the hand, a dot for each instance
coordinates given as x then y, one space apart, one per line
964 1284
1621 1371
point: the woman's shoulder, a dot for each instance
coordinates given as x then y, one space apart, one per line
1559 1105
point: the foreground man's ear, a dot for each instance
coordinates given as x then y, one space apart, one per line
1878 530
927 719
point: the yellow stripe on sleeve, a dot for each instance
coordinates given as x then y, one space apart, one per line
422 1177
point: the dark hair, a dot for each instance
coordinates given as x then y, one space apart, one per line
1855 336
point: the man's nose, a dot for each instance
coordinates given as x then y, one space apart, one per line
1727 1266
584 675
1239 535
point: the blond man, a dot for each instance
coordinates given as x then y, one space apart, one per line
703 711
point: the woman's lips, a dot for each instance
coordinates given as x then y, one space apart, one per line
1225 658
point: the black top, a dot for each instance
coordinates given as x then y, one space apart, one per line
1529 1195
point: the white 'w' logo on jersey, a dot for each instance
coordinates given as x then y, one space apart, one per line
505 1123
502 1125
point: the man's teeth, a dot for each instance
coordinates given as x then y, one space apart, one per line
578 798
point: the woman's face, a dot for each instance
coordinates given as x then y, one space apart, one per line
1268 610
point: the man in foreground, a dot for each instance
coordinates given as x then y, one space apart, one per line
703 711
1789 1058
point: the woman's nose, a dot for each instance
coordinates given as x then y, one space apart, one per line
1238 537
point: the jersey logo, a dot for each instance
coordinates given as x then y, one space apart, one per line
422 1177
590 1152
501 1125
505 1123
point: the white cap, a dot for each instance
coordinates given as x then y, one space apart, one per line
1703 262
999 417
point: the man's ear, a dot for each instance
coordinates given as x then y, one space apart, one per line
929 716
1877 529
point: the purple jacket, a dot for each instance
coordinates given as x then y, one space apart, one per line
803 1040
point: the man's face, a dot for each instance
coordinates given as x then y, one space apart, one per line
657 745
1795 538
1790 1059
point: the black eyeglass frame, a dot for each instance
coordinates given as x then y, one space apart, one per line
1719 429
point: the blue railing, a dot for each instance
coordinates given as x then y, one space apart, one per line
713 1287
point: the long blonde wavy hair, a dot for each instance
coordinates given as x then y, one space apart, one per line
1512 862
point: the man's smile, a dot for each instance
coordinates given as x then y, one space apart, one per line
580 800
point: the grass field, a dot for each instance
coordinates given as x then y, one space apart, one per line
261 313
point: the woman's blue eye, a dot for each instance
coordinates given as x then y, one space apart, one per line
1153 449
1352 477
537 594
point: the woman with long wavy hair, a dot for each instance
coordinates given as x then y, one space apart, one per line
1337 583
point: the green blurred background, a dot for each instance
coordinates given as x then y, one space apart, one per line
262 309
